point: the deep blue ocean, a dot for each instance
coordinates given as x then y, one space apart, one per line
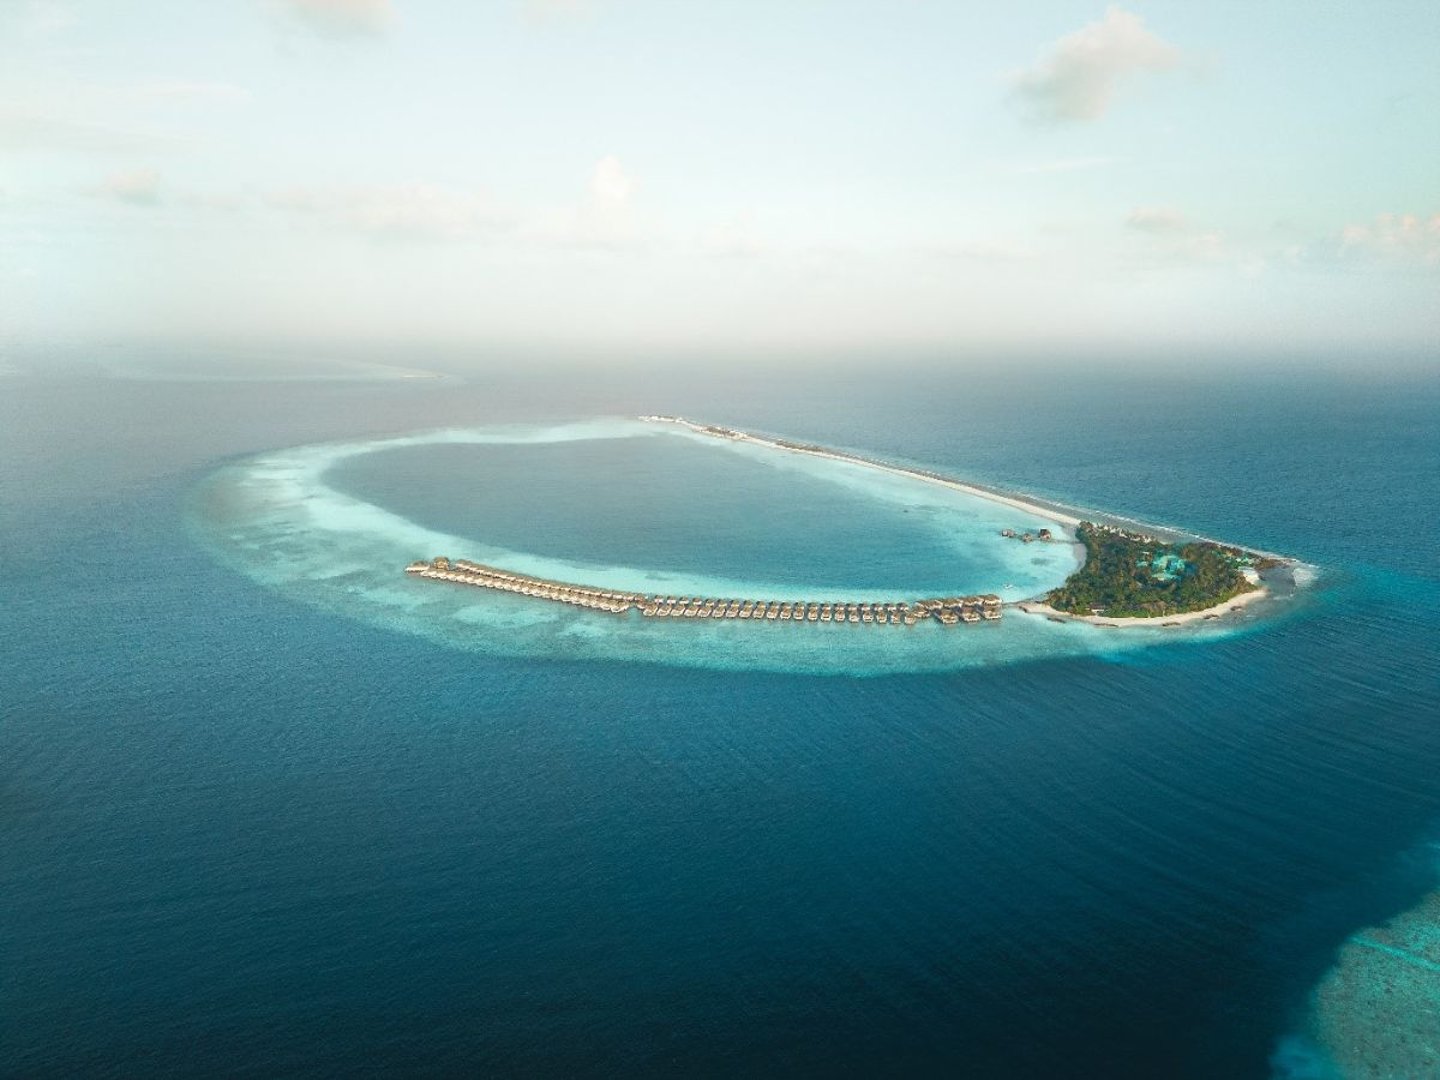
240 835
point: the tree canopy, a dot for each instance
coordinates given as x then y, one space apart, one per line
1119 580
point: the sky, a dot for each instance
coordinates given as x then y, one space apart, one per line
745 176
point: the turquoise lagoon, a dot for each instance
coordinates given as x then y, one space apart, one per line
638 506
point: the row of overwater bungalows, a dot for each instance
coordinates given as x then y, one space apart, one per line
465 572
949 611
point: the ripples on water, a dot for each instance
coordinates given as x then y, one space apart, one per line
238 829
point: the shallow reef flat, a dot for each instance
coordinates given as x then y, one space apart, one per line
276 518
1376 1014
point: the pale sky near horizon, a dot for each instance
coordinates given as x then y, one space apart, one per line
745 175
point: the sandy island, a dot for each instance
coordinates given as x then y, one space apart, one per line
1235 603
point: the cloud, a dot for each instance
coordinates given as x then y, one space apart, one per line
1206 246
1157 219
97 118
405 211
985 252
609 186
214 201
34 132
1175 238
1394 240
601 218
174 90
1077 79
1185 245
343 18
546 10
1063 165
138 187
604 217
45 18
1407 237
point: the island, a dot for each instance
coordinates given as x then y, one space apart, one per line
1135 575
1125 577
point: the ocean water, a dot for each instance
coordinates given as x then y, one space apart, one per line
248 828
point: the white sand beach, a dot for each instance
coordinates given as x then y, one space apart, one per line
1234 604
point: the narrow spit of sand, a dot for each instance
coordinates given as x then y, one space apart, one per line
1048 513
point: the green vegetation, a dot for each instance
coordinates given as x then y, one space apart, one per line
1130 575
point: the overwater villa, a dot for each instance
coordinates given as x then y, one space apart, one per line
947 611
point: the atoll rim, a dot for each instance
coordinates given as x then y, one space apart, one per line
280 519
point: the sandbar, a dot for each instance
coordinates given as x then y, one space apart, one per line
1049 512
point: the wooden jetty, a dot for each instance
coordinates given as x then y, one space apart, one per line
946 610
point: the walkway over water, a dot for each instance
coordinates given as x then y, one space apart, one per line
947 610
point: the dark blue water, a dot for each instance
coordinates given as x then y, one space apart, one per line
241 836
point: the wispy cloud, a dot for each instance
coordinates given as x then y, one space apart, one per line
1208 246
1408 237
343 18
548 10
1077 78
1062 165
1157 219
23 131
138 187
47 18
1174 238
167 90
100 118
601 218
403 211
985 252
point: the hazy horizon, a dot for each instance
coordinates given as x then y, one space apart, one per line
612 179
